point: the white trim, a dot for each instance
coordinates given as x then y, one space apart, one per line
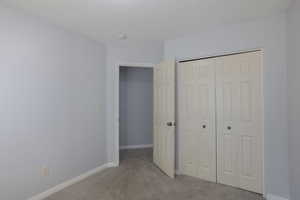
142 146
263 121
70 182
275 197
116 78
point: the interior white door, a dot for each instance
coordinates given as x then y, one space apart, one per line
239 117
196 119
164 117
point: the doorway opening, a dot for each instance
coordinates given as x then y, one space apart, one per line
135 112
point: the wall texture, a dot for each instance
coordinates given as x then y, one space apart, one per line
125 52
269 35
136 106
52 105
294 96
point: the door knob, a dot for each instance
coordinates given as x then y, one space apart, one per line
169 123
229 127
204 126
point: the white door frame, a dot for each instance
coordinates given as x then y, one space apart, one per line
225 53
116 79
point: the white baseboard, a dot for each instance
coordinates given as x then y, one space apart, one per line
70 182
275 197
142 146
111 164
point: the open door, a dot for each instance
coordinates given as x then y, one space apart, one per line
164 117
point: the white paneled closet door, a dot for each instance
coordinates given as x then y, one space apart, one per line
196 119
164 117
239 117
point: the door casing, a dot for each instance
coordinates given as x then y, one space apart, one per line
116 112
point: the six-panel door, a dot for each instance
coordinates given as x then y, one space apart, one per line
164 117
239 121
196 119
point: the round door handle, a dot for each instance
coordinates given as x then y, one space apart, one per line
169 123
229 127
204 126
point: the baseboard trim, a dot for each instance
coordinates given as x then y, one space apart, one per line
70 182
142 146
275 197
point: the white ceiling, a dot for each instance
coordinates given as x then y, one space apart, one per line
104 20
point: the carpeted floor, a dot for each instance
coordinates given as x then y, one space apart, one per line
138 178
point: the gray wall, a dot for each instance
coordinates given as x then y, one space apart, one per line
52 105
136 106
270 35
294 97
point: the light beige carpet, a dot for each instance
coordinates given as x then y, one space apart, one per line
138 178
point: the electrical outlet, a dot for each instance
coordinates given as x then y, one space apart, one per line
45 171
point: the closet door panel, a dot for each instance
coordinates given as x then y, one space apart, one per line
226 91
250 121
239 130
196 119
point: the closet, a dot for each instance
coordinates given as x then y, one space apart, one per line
219 120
